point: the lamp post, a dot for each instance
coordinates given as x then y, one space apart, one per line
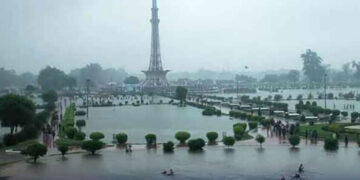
325 77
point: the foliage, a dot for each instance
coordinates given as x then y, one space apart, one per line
344 113
229 141
36 150
260 139
80 123
96 136
70 132
182 136
331 144
49 96
209 111
53 78
238 132
243 125
80 136
278 97
196 144
68 120
16 111
313 69
212 136
354 116
150 139
253 124
294 140
132 80
63 147
81 112
181 93
168 147
121 138
92 146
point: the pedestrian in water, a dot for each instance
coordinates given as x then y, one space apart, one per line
346 140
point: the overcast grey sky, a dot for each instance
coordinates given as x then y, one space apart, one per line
211 34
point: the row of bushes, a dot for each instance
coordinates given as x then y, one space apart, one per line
209 111
258 101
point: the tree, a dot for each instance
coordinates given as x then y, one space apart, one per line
238 132
212 136
356 65
92 146
16 111
260 139
36 150
294 140
168 147
182 136
53 78
121 138
278 97
313 68
293 76
181 93
344 113
132 80
80 123
62 146
229 141
253 124
354 116
70 132
150 139
331 144
96 136
196 144
49 96
80 136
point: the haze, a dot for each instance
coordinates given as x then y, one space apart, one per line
212 34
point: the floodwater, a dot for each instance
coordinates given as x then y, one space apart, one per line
216 162
163 120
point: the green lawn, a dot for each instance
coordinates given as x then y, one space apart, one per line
352 134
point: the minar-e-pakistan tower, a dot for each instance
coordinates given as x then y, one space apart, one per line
155 75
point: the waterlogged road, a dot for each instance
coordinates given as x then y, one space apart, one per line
216 162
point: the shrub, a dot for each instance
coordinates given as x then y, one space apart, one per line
70 132
294 140
80 136
80 123
96 136
278 97
80 113
121 138
354 116
196 144
229 141
331 144
358 142
150 139
212 136
238 132
344 113
260 139
36 150
243 125
182 136
336 112
253 124
63 147
92 146
168 147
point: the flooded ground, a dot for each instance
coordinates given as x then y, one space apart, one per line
216 162
163 120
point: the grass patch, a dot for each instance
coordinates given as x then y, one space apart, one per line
324 131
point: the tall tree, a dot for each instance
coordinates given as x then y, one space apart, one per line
16 111
356 65
313 68
53 79
181 93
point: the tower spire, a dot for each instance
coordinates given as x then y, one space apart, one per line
155 75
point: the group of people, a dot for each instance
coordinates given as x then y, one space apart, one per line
170 173
49 136
349 106
128 148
